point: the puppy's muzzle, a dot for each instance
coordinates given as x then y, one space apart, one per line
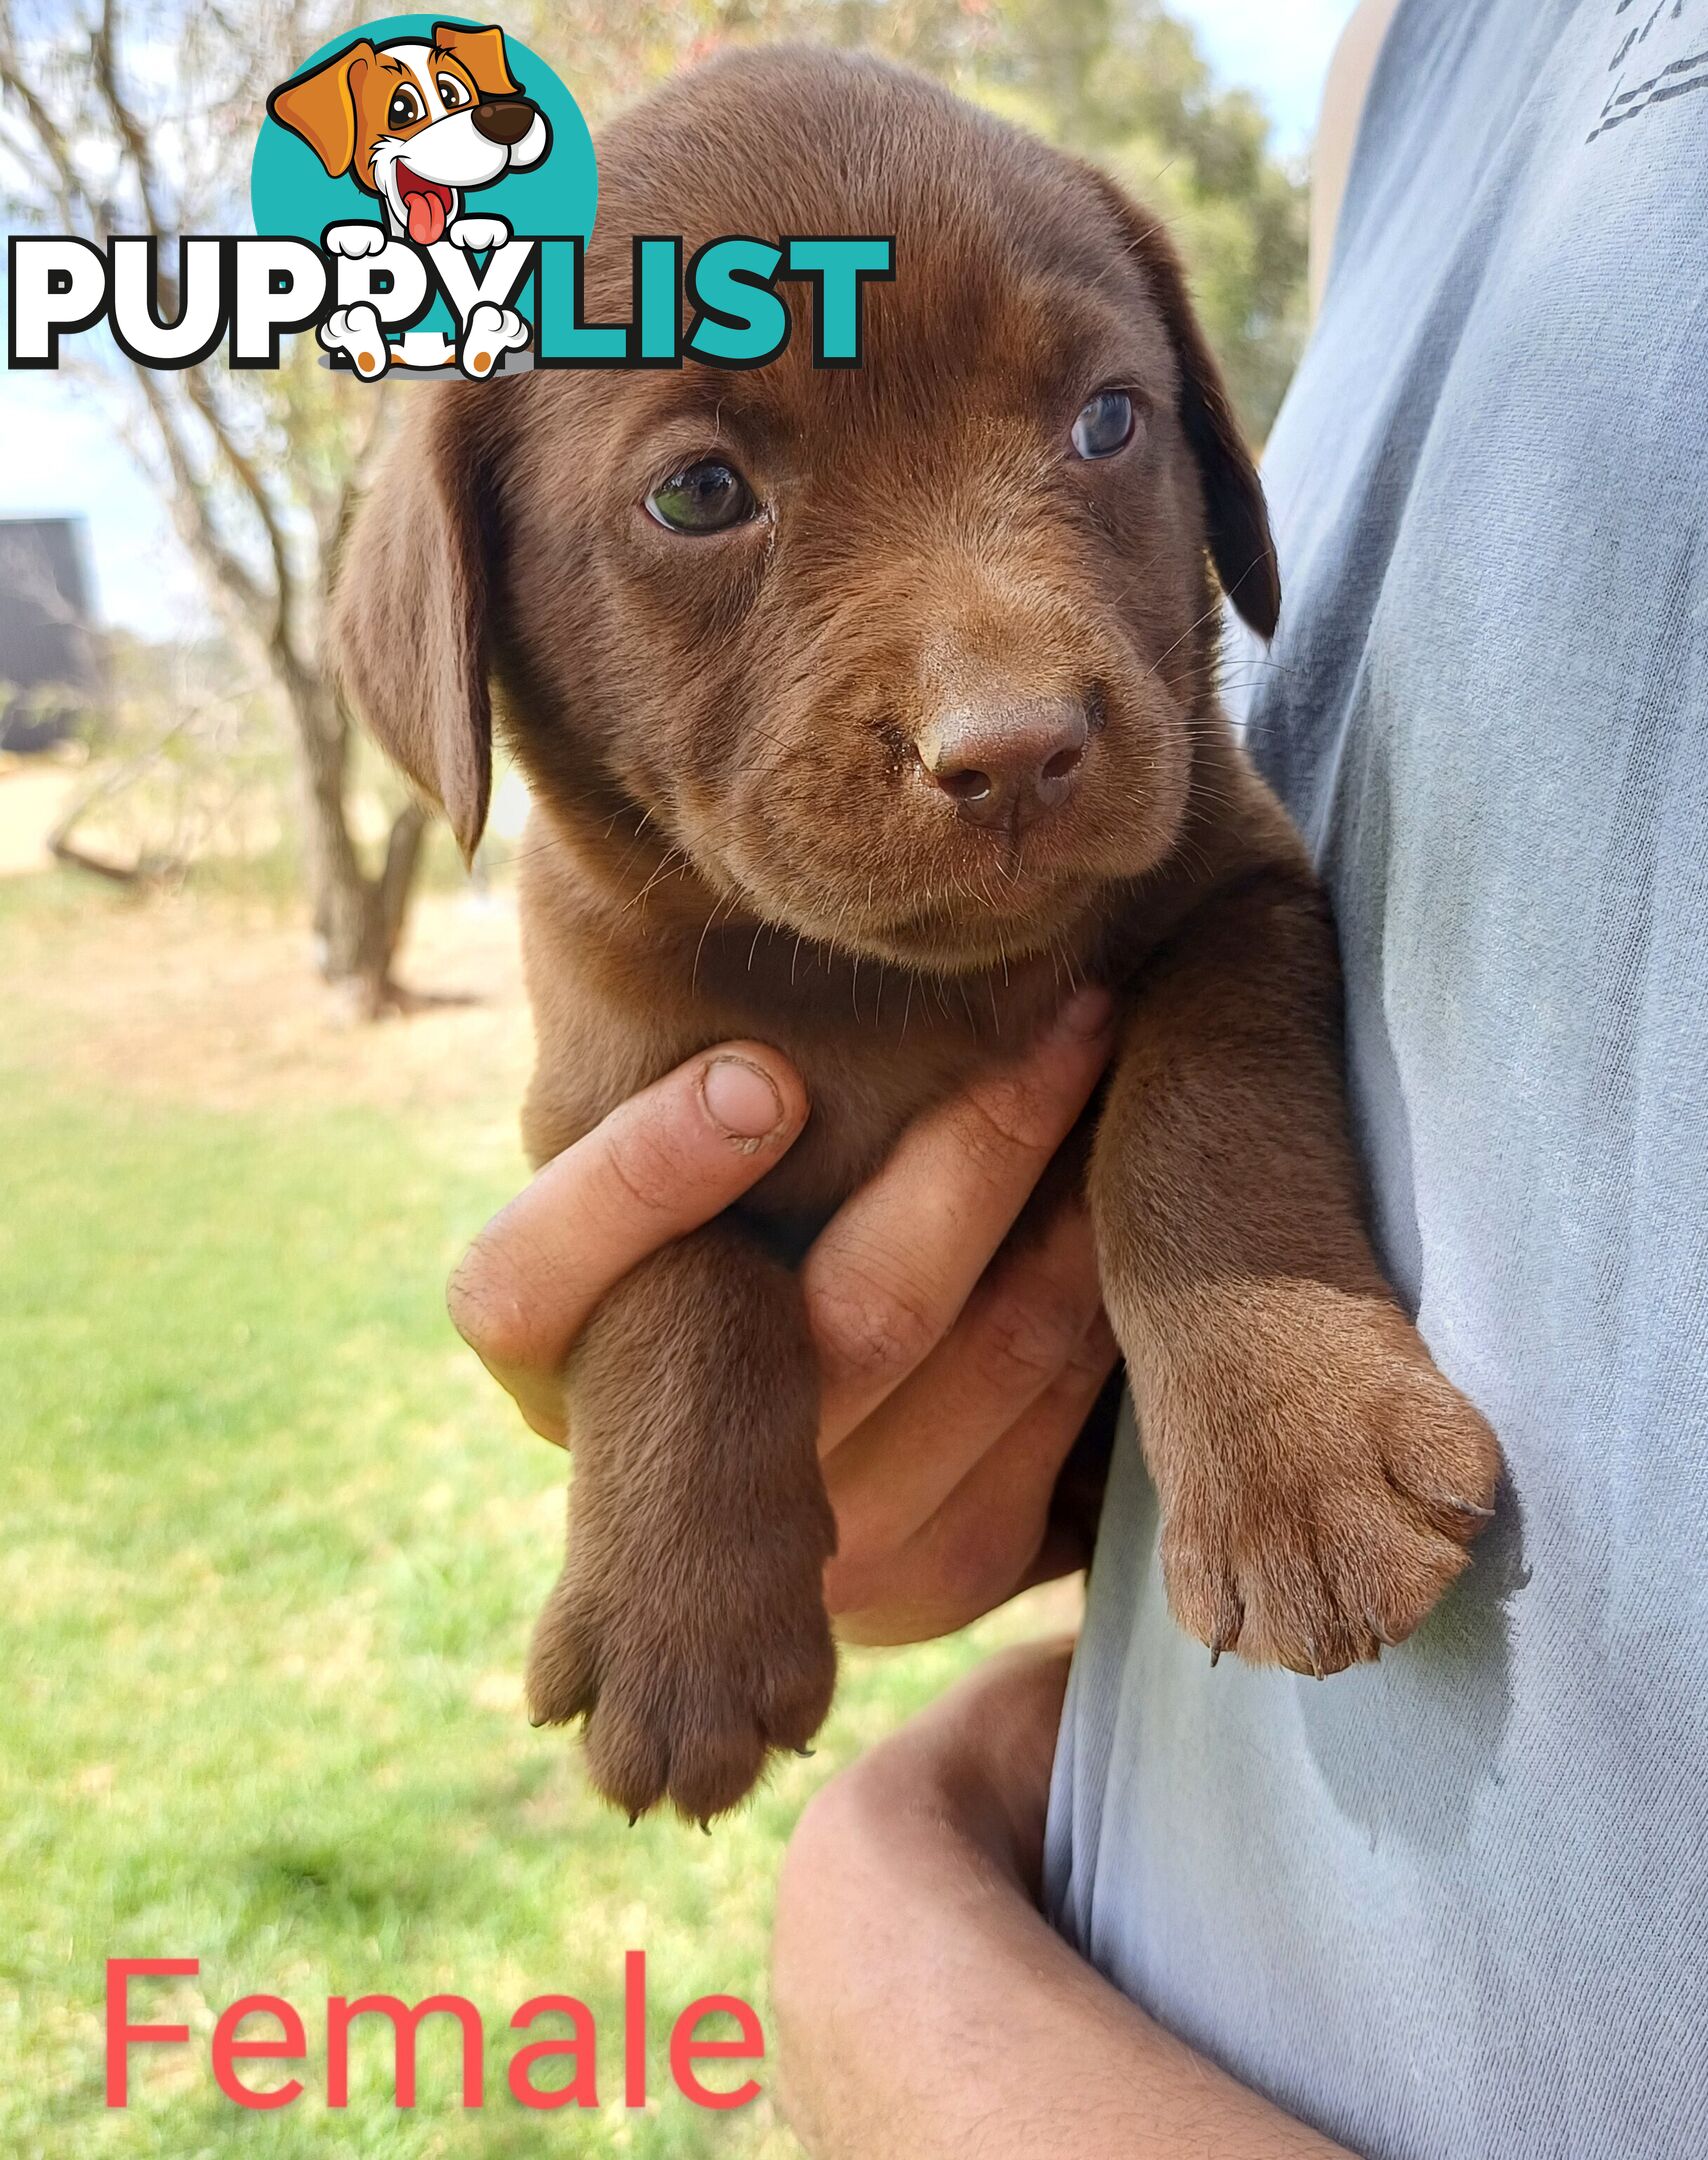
504 120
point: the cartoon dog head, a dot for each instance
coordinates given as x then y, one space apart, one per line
417 124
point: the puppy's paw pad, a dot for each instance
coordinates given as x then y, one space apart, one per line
356 331
489 334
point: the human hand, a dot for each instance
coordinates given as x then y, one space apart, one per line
954 1376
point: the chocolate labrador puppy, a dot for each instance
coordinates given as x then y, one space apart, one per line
866 710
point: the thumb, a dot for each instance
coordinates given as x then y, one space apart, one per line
663 1163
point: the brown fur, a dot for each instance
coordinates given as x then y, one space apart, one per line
735 836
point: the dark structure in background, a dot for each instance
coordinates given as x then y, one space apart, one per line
51 677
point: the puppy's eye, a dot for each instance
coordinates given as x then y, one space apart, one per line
1105 425
405 108
451 91
705 497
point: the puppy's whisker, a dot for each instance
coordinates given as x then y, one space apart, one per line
699 949
674 864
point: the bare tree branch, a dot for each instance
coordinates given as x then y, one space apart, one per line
191 509
243 470
83 212
83 128
132 135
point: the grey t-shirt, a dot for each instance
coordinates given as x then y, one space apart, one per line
1455 1907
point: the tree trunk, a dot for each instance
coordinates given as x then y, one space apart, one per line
358 918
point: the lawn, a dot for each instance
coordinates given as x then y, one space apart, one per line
272 1551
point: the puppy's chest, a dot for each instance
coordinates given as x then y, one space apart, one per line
862 1097
614 1012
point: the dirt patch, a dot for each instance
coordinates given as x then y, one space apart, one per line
35 794
216 1003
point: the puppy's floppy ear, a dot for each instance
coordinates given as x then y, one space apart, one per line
482 52
1241 544
321 106
408 620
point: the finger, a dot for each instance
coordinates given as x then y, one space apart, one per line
663 1163
1023 1326
886 1278
989 1539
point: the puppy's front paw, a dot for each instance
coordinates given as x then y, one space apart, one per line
490 333
686 1692
355 240
688 1627
356 332
477 234
1328 1495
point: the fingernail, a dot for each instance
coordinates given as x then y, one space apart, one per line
741 1100
1085 1014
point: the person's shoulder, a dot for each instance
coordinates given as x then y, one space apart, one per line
1345 89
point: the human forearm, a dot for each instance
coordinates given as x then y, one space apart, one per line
928 2012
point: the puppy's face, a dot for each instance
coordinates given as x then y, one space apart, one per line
416 122
907 658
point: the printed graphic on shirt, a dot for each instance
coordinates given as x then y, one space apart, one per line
1661 54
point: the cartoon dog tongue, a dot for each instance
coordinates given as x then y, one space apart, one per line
426 217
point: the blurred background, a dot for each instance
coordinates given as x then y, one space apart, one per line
272 1545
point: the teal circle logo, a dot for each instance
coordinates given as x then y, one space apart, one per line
443 134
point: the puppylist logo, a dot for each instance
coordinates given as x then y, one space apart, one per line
414 123
422 194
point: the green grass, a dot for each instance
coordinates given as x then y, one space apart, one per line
272 1547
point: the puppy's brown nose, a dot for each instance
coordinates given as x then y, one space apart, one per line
503 120
1007 764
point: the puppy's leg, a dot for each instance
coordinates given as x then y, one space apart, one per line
688 1625
1319 1479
